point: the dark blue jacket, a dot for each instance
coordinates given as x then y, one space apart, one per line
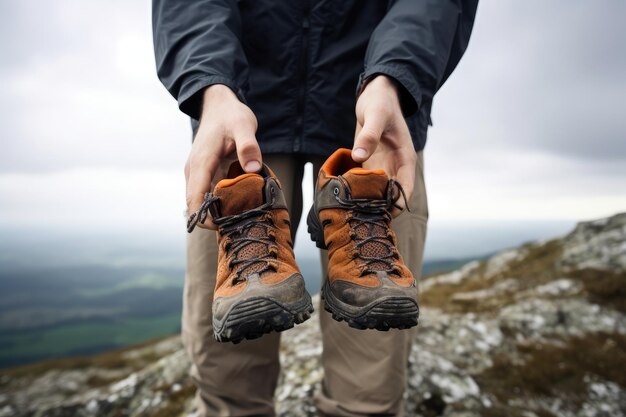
299 63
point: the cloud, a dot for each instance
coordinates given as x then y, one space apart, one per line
540 76
531 125
94 198
80 90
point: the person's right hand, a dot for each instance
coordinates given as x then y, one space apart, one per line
227 129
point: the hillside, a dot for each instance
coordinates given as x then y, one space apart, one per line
535 331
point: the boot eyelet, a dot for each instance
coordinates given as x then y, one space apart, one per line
336 191
272 190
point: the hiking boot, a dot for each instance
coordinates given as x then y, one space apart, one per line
259 287
368 284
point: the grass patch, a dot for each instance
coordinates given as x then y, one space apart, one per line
148 280
557 370
505 411
176 402
440 296
65 340
109 360
603 287
540 265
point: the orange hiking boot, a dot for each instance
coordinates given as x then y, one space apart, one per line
259 287
368 284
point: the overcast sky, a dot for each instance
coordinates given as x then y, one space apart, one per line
531 126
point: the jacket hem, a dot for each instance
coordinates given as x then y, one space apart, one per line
410 95
190 100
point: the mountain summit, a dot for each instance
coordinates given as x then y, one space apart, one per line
535 331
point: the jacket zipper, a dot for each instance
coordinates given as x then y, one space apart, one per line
304 58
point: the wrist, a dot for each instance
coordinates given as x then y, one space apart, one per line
384 82
381 85
217 93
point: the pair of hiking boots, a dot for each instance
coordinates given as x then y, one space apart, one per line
259 287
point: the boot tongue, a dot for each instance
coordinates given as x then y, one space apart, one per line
239 194
365 183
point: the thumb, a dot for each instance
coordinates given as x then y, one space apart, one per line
248 151
368 138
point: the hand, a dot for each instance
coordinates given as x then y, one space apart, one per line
227 130
382 139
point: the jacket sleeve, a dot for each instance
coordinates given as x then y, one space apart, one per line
419 43
197 44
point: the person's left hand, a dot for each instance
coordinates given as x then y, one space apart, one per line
382 139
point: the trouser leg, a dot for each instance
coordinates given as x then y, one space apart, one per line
232 380
365 370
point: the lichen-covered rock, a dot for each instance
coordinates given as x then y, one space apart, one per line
599 244
144 386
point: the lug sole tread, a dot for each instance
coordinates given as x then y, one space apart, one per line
392 313
260 316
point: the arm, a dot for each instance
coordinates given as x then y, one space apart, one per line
201 62
197 44
418 44
412 51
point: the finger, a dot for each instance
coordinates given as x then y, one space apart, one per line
368 138
201 171
248 151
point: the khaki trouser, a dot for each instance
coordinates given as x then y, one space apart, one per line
364 370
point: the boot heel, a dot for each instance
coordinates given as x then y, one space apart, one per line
315 229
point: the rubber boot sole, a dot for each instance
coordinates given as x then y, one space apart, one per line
383 314
254 317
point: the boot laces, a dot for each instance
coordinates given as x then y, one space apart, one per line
250 236
375 247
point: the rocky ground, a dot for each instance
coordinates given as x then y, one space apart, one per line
536 331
